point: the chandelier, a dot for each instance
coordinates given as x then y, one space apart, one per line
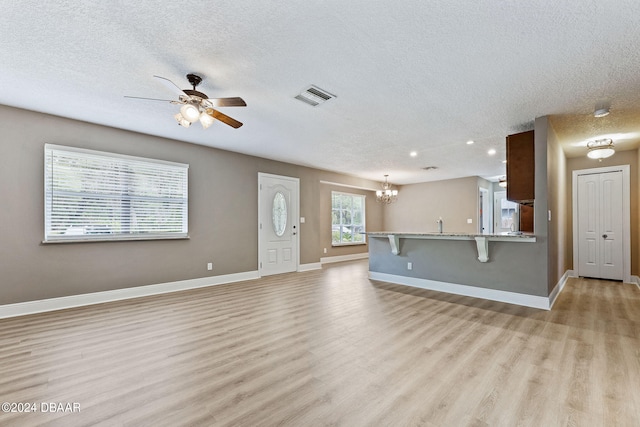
387 194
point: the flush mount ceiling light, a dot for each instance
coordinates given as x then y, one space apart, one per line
502 182
196 106
387 195
601 112
600 149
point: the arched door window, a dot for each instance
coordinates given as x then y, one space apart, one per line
279 214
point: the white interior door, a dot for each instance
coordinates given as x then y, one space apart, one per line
600 224
278 237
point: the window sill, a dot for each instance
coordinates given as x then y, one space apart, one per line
337 245
115 239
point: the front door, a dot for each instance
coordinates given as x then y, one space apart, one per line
600 219
278 234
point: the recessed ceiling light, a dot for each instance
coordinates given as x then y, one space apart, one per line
601 112
469 142
491 152
413 153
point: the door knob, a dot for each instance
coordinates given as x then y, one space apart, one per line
604 236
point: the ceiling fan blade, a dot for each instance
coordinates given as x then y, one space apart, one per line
170 85
224 118
149 99
227 102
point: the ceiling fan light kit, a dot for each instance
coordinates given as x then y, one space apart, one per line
197 106
206 120
190 112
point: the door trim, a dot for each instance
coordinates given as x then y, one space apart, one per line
626 215
296 220
485 206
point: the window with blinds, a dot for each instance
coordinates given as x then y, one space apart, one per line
92 195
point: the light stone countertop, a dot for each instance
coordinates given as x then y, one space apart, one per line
482 240
448 235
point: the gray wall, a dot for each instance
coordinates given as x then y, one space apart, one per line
540 254
223 199
557 194
456 261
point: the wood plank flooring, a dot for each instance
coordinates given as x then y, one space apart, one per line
329 348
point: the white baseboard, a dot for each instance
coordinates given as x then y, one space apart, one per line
341 258
470 291
636 280
51 304
559 287
310 266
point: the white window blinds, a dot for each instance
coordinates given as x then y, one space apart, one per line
92 195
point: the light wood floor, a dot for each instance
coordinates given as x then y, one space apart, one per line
332 348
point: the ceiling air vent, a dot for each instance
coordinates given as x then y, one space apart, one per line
314 96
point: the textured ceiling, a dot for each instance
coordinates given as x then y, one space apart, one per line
409 76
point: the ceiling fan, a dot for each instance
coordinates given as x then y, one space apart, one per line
196 106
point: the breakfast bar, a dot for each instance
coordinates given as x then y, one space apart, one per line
503 267
482 240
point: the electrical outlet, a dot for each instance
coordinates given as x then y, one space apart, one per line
325 250
409 266
209 266
469 221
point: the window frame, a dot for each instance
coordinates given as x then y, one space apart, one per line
342 225
178 200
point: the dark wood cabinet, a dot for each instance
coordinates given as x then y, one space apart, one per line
526 219
521 168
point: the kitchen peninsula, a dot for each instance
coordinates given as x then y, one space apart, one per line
489 266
